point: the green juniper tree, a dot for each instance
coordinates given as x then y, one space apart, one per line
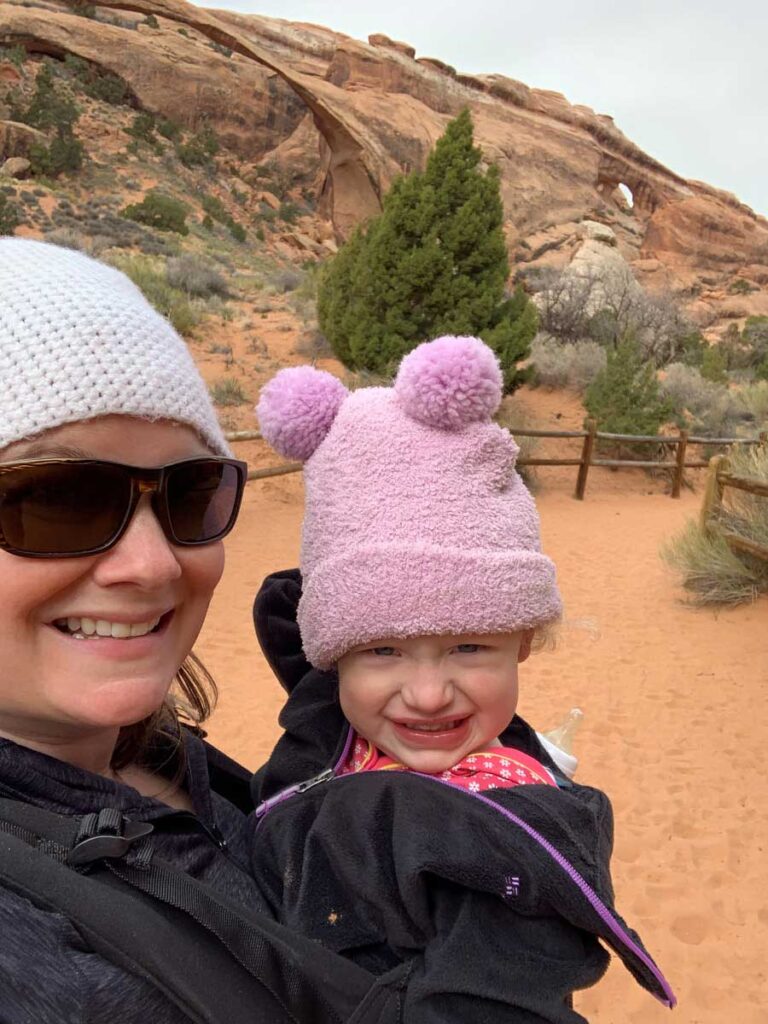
434 262
624 398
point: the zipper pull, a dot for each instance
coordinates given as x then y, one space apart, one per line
311 783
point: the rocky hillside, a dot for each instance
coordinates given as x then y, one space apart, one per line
332 121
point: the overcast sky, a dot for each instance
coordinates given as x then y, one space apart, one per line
687 81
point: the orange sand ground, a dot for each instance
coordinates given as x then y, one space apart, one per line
674 731
673 699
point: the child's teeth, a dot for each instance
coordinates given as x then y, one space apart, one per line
103 628
88 626
73 625
121 630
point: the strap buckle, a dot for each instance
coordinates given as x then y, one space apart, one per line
106 834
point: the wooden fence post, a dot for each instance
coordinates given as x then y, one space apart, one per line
586 458
713 490
677 480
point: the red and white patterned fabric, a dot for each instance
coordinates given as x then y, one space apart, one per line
496 768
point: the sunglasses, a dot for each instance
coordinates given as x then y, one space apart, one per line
63 508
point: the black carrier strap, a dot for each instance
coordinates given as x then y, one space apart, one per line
214 960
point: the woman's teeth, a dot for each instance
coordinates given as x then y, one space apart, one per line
88 629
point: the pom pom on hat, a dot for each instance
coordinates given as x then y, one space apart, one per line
450 382
296 409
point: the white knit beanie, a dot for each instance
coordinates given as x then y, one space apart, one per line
78 340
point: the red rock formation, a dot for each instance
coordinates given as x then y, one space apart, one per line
355 115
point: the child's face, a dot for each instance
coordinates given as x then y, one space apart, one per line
429 701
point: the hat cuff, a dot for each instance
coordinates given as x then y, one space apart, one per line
376 592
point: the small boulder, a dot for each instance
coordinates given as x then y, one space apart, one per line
270 199
599 232
16 167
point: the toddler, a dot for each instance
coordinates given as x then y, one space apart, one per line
408 819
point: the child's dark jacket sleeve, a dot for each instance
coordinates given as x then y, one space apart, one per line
496 905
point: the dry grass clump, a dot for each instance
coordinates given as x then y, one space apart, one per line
228 391
571 365
151 278
709 568
196 276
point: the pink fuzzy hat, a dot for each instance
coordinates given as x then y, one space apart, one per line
416 522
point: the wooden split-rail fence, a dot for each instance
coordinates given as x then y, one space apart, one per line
678 443
718 478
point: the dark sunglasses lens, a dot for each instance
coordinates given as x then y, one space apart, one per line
203 498
63 509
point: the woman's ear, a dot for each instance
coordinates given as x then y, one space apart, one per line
525 645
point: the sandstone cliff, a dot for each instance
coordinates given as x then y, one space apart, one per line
346 117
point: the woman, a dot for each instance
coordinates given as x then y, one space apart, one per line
116 489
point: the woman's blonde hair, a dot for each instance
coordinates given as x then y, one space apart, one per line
190 701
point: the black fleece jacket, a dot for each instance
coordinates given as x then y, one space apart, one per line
495 902
48 975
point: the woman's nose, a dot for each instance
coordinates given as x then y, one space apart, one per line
429 690
143 556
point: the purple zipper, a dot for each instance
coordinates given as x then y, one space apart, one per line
301 787
585 888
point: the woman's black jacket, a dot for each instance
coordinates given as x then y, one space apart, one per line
495 902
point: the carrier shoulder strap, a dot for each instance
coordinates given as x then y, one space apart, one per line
212 959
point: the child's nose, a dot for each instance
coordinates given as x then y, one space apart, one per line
429 690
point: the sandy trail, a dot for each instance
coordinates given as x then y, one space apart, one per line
674 700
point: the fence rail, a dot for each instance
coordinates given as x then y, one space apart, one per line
590 436
718 478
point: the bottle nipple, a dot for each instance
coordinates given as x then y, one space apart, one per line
558 742
563 735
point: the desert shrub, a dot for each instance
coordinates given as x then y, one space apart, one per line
67 238
150 21
288 212
228 391
712 571
63 156
237 231
195 275
10 218
200 149
624 398
143 128
48 108
585 304
714 365
571 365
313 344
514 416
14 54
687 389
168 128
215 210
741 287
285 280
159 211
151 279
109 88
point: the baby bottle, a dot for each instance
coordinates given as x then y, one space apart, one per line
558 742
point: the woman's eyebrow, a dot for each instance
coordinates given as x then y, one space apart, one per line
45 451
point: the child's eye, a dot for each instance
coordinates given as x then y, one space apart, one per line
383 652
467 648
